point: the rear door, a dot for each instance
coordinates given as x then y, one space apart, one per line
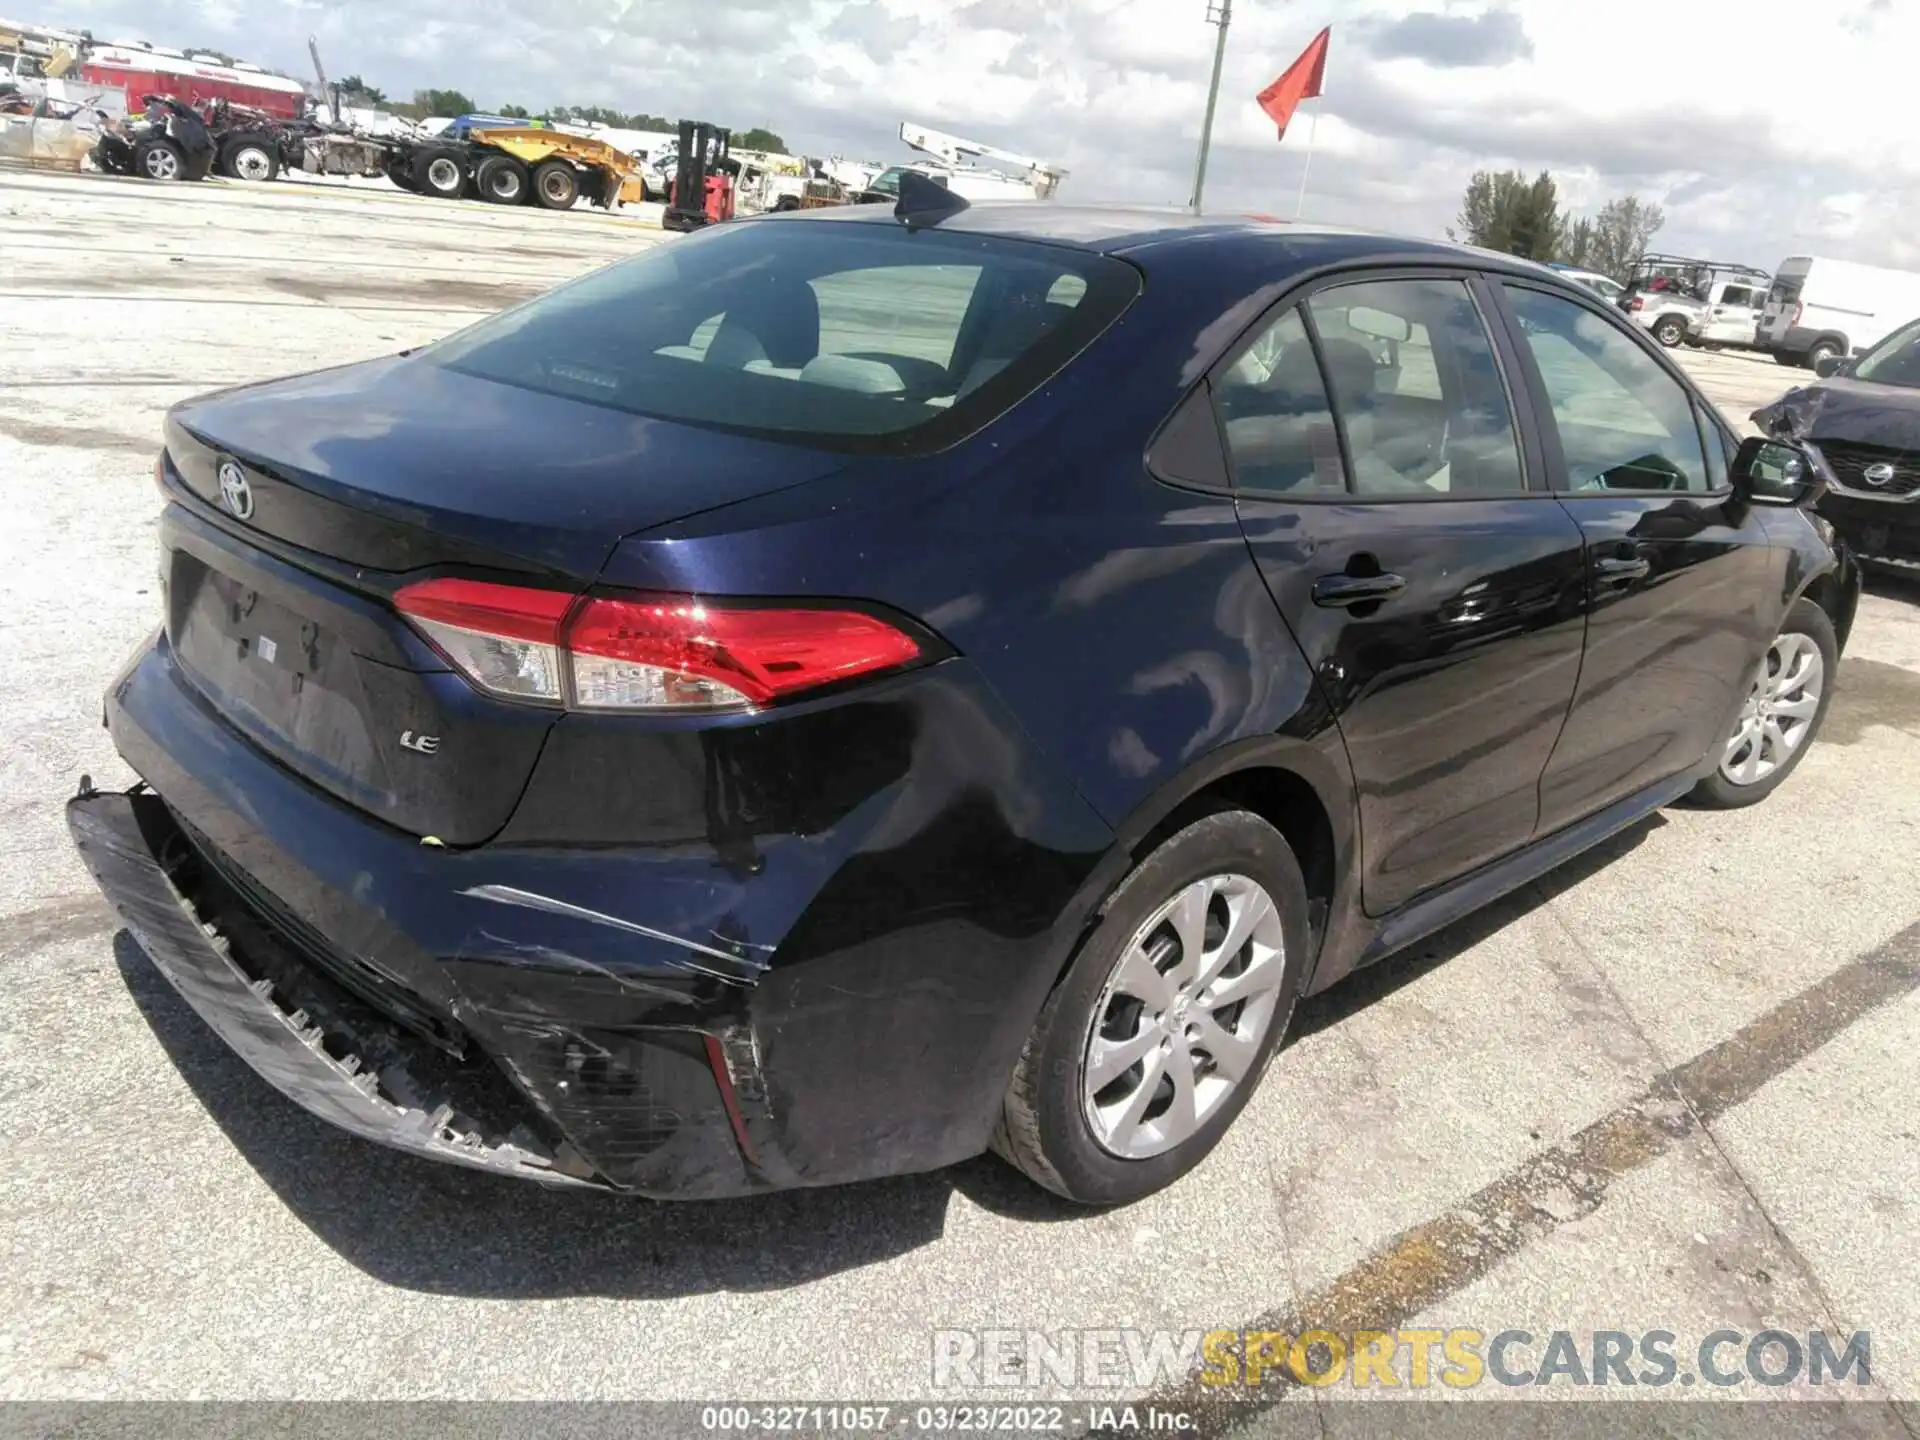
1384 492
1781 312
1680 576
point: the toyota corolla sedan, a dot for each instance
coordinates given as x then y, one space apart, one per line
849 690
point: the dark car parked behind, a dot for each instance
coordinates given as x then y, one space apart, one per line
1864 418
844 690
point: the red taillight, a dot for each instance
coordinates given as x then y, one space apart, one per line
645 653
1637 304
1799 312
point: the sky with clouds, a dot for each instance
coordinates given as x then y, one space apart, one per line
1764 130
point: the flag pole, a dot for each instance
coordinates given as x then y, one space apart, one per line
1313 134
1219 14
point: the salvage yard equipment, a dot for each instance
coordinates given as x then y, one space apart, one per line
509 164
702 190
169 142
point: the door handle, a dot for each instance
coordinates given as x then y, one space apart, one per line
1337 592
1622 567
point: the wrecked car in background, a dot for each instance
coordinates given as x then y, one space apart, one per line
169 141
1863 417
56 134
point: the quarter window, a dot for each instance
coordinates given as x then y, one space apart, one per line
1274 411
1624 423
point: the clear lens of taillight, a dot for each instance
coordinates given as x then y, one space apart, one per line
646 653
504 637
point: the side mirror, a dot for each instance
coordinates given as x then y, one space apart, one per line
1827 366
1772 472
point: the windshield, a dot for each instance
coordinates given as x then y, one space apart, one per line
1895 360
847 336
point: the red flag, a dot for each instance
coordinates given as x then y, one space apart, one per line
1302 80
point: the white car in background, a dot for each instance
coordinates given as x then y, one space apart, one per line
1608 288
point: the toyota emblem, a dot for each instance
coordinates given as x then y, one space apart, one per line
235 493
1880 474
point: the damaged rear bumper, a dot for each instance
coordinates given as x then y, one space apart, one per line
307 1055
695 1016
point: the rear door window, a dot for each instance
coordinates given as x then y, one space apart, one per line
845 335
1417 389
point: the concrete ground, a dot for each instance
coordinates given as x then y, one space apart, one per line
1669 1088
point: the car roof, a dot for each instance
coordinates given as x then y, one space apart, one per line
1150 235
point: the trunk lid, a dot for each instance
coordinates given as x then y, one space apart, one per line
320 496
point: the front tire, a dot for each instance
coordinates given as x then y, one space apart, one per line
158 158
1160 1030
1786 702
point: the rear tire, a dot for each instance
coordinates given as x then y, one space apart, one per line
400 175
1821 349
251 158
555 186
1075 1139
501 180
158 158
1781 717
1670 331
440 171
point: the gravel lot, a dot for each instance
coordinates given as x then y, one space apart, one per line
1672 1087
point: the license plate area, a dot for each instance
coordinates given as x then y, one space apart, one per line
288 680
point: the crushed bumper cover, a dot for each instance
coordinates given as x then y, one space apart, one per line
295 1051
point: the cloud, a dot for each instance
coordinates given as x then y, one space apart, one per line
1493 38
1421 93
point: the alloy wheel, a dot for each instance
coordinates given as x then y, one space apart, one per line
1181 1022
1779 711
162 164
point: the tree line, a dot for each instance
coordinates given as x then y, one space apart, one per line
355 91
1504 210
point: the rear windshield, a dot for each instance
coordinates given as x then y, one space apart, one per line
842 335
1786 289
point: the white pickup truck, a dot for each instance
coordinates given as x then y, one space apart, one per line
1697 302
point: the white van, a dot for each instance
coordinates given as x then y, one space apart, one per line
1833 307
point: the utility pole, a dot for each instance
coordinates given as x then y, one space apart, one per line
1219 12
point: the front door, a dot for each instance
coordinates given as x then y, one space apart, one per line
1439 600
1734 316
1683 585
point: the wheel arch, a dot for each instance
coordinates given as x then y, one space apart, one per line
1293 785
1836 590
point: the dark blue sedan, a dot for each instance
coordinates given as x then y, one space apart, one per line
847 690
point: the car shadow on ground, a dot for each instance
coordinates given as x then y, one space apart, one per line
1377 981
440 1229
